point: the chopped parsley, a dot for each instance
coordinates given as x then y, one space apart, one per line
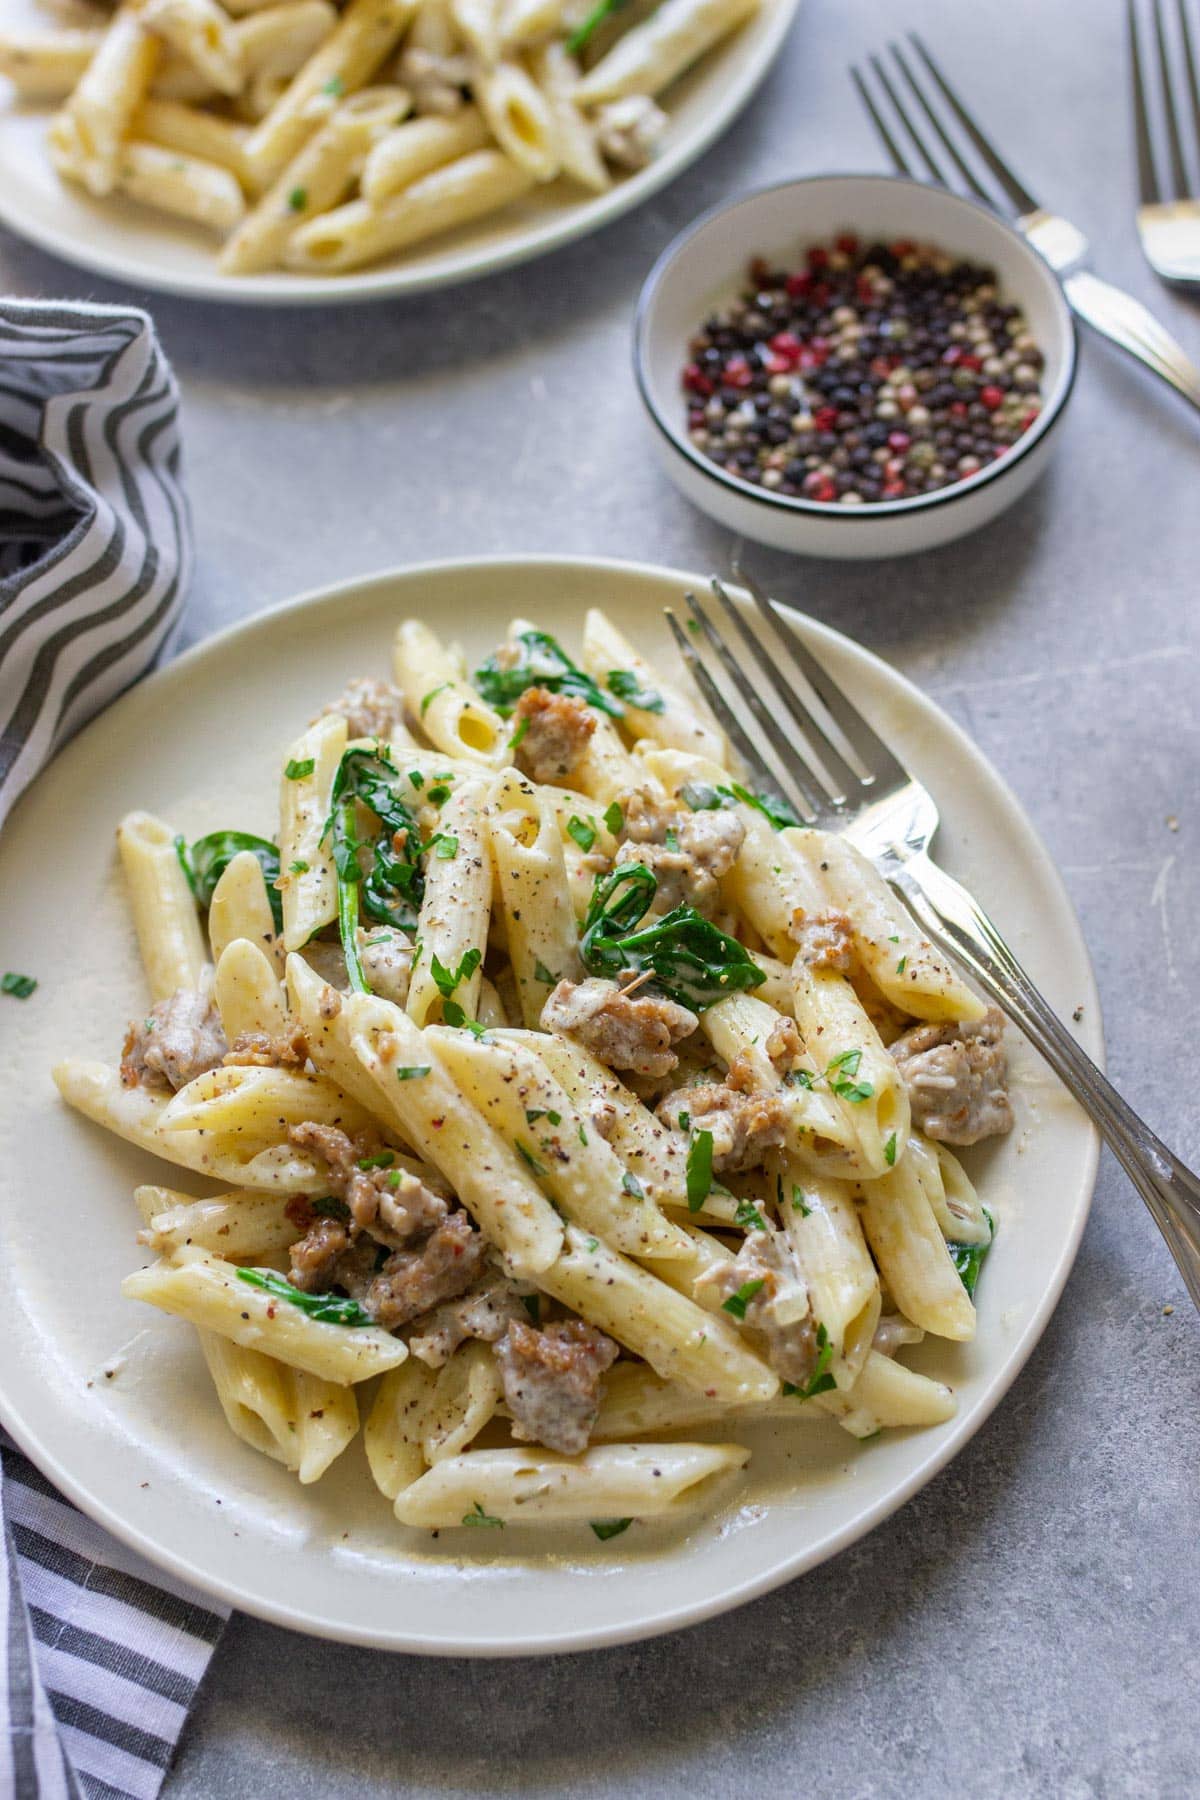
298 199
902 965
334 87
412 1071
431 696
614 817
591 1245
18 986
438 794
534 1113
699 1170
626 686
840 1075
384 1160
798 1201
416 778
889 1152
583 833
446 980
299 867
820 1381
737 1303
631 1185
444 846
748 1215
477 1516
609 1528
518 736
299 767
327 1309
527 1157
453 1015
702 796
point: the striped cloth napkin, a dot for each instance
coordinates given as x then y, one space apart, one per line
100 1654
95 537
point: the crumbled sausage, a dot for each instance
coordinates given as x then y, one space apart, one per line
686 852
391 1202
557 730
261 1050
779 1306
411 1281
957 1078
747 1122
316 1257
484 1311
553 1381
370 708
178 1039
783 1045
626 1031
825 938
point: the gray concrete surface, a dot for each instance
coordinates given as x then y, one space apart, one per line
1027 1625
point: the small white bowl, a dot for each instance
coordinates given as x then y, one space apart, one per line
705 268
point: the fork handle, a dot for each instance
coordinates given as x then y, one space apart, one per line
956 922
1128 324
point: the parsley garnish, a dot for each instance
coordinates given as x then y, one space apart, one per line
334 86
298 199
477 1516
609 1528
583 833
438 794
19 986
902 965
453 1015
518 736
747 1214
444 846
592 1245
820 1381
540 661
614 817
446 980
328 1309
701 796
299 867
840 1073
527 1156
889 1152
384 1160
575 44
798 1202
412 1071
427 699
699 1170
626 686
737 1303
416 778
298 768
631 1185
582 1135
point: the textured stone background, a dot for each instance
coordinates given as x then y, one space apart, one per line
1028 1624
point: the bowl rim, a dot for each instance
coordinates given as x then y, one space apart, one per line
871 509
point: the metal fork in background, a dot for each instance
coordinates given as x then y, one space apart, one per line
929 97
892 818
1168 217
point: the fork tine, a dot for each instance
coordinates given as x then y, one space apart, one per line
880 124
721 710
797 766
866 743
830 755
951 147
1189 64
1179 176
1012 185
1147 175
923 150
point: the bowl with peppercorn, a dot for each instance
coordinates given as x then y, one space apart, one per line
853 365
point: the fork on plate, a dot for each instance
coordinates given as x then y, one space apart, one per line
928 115
841 776
1168 216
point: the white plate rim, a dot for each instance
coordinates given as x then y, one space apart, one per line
951 1439
447 270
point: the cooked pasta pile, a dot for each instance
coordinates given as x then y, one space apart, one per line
550 1077
319 140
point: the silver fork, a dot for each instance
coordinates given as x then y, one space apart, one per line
892 819
1168 221
1113 313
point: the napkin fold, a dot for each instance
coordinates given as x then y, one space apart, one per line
100 1654
95 535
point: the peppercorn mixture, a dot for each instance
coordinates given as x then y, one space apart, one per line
870 374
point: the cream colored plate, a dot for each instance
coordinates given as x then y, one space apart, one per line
132 244
112 1399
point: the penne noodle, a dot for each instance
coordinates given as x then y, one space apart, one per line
615 1480
653 54
201 33
672 721
914 1263
453 925
959 1210
417 146
392 1436
198 1287
308 880
533 890
316 178
820 1131
557 73
477 24
464 1398
112 87
449 711
517 1096
823 1228
47 65
887 1395
257 1105
236 1226
240 906
853 1064
298 1419
519 117
164 909
247 992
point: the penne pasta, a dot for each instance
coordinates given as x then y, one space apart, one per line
670 719
201 33
247 993
914 1264
236 1226
308 881
463 1399
47 65
449 712
416 147
240 906
300 1420
519 117
556 73
453 925
822 1225
392 1436
110 90
615 1480
652 55
164 910
533 890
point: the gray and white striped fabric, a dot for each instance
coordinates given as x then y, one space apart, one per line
95 537
100 1654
